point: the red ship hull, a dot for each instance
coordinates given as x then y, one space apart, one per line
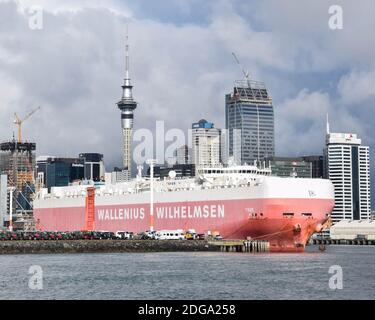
286 223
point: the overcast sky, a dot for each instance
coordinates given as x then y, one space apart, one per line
181 67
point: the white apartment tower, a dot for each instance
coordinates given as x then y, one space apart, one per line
347 165
206 149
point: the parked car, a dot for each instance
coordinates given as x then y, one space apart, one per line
4 236
191 235
201 236
124 235
151 234
14 236
141 236
76 235
106 235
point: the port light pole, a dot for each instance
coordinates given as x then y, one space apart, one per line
152 164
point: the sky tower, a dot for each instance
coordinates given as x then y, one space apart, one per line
127 105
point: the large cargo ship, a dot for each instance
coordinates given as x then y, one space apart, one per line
237 202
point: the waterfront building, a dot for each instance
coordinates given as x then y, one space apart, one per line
94 166
353 230
347 165
316 165
59 172
250 125
206 149
289 167
183 155
17 162
118 176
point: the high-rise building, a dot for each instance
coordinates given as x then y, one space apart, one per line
59 172
347 165
183 155
127 105
316 164
118 176
206 149
17 161
94 166
250 128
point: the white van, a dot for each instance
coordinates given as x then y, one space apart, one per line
170 235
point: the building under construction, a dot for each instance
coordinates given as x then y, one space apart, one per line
17 162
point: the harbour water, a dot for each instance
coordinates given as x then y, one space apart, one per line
192 275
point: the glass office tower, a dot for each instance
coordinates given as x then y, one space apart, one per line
250 123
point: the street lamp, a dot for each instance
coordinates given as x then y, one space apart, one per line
152 164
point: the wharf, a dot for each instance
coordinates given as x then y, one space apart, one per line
128 246
103 246
246 246
357 242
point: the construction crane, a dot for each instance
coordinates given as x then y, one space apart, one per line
245 73
18 122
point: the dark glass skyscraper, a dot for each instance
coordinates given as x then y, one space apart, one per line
59 172
250 123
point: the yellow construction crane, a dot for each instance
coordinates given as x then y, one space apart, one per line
18 122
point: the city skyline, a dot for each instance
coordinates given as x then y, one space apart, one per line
304 86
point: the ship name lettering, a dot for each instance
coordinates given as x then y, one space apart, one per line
197 212
206 212
191 212
121 214
176 212
183 212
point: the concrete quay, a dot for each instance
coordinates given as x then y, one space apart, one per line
103 246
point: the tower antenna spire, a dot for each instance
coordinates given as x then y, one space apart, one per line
127 51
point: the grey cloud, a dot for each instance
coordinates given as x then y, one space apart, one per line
357 87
